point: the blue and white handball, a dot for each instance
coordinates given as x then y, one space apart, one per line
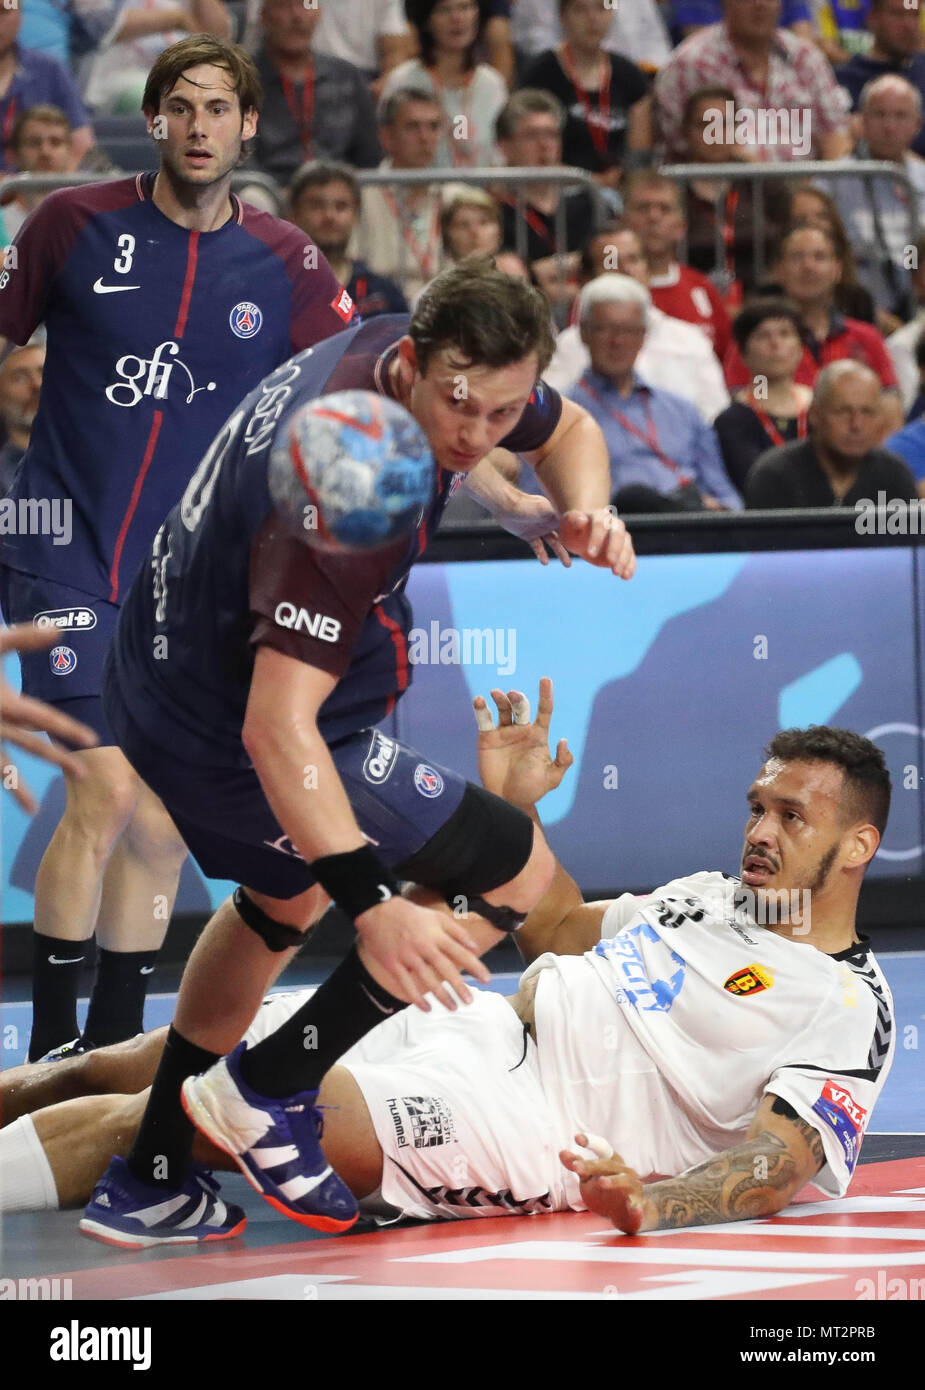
353 471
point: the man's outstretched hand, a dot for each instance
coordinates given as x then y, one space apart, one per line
610 1188
601 538
514 758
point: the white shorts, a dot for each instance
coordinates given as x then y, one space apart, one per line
458 1108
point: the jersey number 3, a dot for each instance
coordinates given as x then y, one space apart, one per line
123 262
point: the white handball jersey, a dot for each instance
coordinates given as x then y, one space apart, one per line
666 1035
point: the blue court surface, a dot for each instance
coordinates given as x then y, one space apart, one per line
861 1246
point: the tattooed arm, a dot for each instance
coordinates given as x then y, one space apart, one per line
758 1178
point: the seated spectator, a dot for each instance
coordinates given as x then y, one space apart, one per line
470 224
808 271
30 79
841 28
772 409
839 463
811 207
663 457
314 106
902 345
653 210
674 354
117 73
324 203
374 38
40 143
895 25
605 97
637 31
772 73
399 232
876 211
720 214
909 442
470 93
20 384
692 15
66 30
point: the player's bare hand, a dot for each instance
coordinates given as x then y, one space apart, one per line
422 951
610 1188
537 521
514 758
601 538
20 715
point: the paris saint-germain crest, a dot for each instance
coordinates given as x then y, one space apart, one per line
245 320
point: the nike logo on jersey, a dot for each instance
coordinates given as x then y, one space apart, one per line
75 960
100 288
146 970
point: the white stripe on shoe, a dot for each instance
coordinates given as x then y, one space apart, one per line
298 1187
196 1216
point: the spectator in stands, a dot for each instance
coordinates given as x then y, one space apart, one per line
773 409
314 106
399 233
20 384
902 344
324 203
719 213
116 74
909 442
653 210
693 15
841 28
876 211
470 223
663 457
497 43
808 270
67 30
895 25
470 93
374 38
839 463
780 80
674 354
40 143
811 207
606 97
637 31
30 79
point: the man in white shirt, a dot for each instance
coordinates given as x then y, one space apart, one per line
374 38
675 355
728 1036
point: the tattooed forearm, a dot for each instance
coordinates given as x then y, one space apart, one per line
756 1179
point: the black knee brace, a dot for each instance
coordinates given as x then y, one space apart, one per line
486 842
276 936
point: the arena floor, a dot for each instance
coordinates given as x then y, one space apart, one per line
866 1245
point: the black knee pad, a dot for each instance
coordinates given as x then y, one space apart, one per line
486 842
276 936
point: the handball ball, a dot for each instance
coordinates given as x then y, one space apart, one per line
353 471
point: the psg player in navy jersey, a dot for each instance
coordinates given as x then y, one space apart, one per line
243 659
165 300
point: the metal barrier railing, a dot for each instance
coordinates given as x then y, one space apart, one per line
867 170
47 183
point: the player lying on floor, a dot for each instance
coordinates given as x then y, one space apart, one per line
740 1060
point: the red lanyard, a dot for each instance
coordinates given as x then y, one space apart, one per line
305 118
651 435
8 122
534 222
460 153
599 129
769 426
426 256
729 231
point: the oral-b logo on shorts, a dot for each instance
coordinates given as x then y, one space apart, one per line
300 620
70 619
380 760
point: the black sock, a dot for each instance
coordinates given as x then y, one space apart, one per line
117 1004
56 975
346 1007
163 1147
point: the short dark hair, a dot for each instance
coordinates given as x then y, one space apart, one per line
866 789
418 13
319 172
490 318
45 113
757 311
527 101
193 51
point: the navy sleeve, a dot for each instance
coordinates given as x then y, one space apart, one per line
538 423
39 251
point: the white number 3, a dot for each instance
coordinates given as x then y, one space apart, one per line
123 262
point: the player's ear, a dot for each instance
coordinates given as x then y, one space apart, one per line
407 353
249 123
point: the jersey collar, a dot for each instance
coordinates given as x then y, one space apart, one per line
144 190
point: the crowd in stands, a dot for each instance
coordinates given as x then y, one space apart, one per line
742 341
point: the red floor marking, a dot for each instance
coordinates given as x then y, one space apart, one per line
571 1253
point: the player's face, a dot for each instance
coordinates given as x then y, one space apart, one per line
327 213
465 411
794 829
774 350
44 148
202 127
654 215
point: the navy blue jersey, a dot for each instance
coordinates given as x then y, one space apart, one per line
225 576
155 333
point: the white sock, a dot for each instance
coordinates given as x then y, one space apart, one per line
26 1180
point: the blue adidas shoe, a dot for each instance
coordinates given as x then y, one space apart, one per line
126 1212
275 1143
76 1048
